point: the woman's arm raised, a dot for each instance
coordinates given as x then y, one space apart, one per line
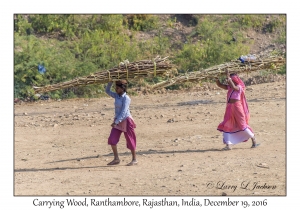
219 84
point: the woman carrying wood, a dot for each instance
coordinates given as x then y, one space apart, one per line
235 125
123 122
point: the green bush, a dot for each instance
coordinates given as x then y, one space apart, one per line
282 70
214 46
251 21
141 22
22 26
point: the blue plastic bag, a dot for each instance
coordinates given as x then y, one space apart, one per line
242 60
41 69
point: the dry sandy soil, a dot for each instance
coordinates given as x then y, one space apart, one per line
60 147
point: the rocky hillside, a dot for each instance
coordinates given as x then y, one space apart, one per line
261 41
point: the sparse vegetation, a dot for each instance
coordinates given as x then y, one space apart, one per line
72 45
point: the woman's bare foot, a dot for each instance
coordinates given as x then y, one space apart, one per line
114 162
254 144
133 162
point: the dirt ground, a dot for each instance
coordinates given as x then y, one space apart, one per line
60 147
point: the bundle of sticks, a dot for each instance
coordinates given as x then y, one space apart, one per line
235 66
125 70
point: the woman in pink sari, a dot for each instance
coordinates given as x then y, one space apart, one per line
235 125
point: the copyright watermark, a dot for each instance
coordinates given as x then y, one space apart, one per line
245 185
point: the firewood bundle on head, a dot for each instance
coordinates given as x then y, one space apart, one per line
125 70
271 63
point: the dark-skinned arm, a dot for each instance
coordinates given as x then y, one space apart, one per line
231 84
219 84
